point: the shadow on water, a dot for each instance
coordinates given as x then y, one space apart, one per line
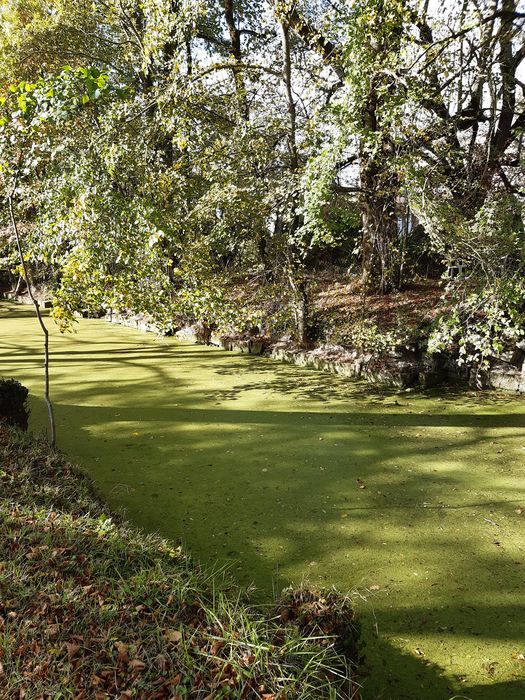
245 463
299 382
18 311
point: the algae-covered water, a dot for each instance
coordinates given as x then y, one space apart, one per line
415 503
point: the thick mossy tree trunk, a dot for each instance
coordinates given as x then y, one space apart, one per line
381 269
380 190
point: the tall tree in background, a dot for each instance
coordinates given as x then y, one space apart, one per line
473 98
365 55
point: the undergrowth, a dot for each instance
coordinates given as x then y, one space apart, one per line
91 607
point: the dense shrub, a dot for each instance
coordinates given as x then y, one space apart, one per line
13 403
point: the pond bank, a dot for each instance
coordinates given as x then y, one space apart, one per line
134 599
401 367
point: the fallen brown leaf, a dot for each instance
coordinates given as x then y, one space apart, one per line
137 666
217 646
248 659
161 662
173 636
72 649
123 656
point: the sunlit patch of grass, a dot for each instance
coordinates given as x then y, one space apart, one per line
93 608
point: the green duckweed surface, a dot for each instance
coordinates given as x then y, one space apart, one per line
415 503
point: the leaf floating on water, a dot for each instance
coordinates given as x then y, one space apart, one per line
490 667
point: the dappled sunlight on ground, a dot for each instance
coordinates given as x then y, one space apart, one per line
412 501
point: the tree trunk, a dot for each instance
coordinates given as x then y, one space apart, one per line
295 278
238 77
380 262
379 199
300 306
19 284
290 103
380 244
50 413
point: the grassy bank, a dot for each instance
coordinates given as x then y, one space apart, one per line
92 608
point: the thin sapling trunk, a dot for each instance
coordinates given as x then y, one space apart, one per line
50 413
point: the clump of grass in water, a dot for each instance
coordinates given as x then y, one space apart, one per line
91 607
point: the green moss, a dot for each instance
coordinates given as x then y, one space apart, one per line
261 465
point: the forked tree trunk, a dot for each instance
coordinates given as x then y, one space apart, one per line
236 49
